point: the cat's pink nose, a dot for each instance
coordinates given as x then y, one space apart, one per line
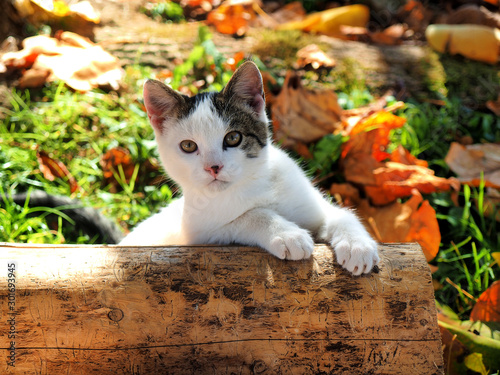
214 170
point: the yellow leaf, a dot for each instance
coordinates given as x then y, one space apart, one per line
475 363
496 256
329 21
476 42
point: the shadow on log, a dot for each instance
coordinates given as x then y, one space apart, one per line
213 310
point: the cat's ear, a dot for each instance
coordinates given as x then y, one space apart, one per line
161 103
246 85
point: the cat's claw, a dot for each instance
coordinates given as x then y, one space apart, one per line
293 245
357 255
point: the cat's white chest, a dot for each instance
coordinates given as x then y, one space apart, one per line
205 213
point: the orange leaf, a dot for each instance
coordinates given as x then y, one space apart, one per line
494 106
487 307
52 169
374 132
390 36
396 180
403 156
232 62
364 161
345 194
232 18
412 221
424 229
115 158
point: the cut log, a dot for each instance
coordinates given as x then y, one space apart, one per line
213 310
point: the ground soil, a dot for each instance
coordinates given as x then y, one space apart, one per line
135 38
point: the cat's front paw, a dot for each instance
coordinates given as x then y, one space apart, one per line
357 254
292 244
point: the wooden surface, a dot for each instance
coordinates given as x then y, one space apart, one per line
214 310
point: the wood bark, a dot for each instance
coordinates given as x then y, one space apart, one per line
213 310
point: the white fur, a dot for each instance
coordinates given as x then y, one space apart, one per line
265 201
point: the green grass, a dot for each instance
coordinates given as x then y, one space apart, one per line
77 129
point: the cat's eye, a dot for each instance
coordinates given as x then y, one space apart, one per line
188 146
233 139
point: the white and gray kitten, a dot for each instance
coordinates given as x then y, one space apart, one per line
237 186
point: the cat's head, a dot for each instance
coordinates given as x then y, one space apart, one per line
212 140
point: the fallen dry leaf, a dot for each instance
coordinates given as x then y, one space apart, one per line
304 115
392 35
79 17
371 135
385 176
491 204
345 194
403 156
293 11
233 62
487 307
469 161
453 349
112 161
118 160
412 221
233 17
416 15
52 169
330 21
396 180
475 42
356 33
77 61
311 55
472 14
494 106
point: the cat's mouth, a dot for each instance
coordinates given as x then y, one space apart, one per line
218 184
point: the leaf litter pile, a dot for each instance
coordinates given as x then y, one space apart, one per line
410 177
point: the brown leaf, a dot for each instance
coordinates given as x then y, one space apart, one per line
453 350
293 11
393 35
70 58
311 55
487 307
469 161
52 169
416 15
345 194
112 161
472 14
300 114
118 159
494 106
491 204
